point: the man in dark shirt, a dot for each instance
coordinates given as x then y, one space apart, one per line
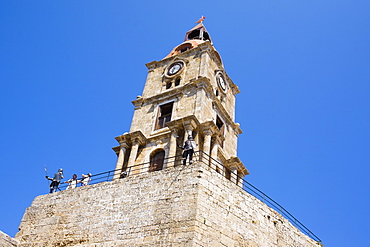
188 147
56 180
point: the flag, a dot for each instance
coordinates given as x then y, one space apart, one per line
201 19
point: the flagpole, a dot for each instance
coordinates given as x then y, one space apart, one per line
46 172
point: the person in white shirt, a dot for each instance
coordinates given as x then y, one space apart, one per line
72 183
86 179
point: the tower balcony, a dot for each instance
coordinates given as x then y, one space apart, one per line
203 164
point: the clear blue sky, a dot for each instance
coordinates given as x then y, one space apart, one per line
70 69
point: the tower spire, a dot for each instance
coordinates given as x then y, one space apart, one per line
199 32
201 19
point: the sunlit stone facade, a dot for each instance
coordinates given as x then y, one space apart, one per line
164 203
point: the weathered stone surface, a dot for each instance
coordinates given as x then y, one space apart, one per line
7 241
181 206
195 100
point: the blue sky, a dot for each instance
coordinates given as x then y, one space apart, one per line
70 69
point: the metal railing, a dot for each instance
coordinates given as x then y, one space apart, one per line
200 156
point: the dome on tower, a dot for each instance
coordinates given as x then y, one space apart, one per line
187 45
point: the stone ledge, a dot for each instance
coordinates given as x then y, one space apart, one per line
7 241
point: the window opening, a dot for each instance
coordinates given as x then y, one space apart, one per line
184 48
156 161
177 82
168 85
195 34
164 115
220 125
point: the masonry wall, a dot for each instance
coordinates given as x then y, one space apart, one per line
228 216
7 241
181 206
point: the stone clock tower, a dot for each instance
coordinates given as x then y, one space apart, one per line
153 200
186 93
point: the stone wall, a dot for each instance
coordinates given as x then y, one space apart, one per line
7 241
231 217
181 206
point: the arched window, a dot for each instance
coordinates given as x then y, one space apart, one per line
156 161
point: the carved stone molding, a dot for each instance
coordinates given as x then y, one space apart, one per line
234 163
130 138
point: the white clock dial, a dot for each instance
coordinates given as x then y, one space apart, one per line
221 81
174 68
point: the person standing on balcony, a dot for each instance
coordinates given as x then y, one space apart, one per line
55 181
188 147
86 179
72 183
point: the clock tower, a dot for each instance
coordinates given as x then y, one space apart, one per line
186 93
203 204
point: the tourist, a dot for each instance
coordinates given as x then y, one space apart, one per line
188 147
72 183
86 179
55 180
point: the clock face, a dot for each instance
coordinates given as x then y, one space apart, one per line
221 81
174 68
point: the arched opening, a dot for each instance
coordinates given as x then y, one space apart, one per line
196 34
184 47
177 82
156 161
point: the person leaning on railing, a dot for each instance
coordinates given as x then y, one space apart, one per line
86 179
72 183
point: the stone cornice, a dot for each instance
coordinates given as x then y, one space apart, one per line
175 93
210 126
181 122
234 163
131 138
215 131
157 136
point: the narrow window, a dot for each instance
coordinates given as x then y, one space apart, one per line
168 85
177 82
156 161
220 125
164 115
